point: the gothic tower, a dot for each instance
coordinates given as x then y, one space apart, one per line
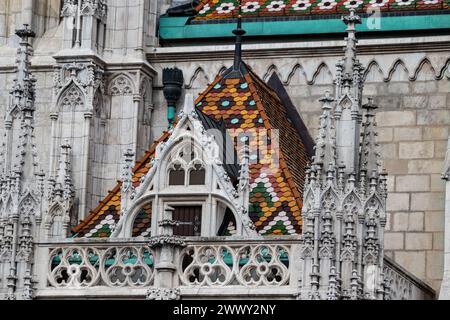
22 182
102 91
345 195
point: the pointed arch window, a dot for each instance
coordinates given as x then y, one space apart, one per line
177 175
186 168
197 175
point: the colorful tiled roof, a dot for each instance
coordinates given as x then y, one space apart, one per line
226 9
243 102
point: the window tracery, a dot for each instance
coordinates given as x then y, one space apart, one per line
186 167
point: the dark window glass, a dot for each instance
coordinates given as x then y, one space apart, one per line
197 176
176 176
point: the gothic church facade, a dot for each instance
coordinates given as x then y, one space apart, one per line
110 184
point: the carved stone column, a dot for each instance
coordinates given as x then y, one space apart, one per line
136 103
166 246
54 120
82 209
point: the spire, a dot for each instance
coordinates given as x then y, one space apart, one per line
24 90
63 177
325 148
351 21
23 181
238 32
25 160
370 157
348 96
60 197
342 237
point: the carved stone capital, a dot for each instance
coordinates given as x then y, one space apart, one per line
167 240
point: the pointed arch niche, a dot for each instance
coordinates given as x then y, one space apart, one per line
198 82
82 124
96 186
56 226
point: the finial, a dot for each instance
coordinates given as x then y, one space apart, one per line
370 106
327 100
25 33
351 21
238 32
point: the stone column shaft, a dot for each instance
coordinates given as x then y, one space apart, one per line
86 144
54 119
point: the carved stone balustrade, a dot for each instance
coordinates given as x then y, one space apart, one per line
221 268
403 285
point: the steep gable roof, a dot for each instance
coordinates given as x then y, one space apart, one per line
240 101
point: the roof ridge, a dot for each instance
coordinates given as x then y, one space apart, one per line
263 83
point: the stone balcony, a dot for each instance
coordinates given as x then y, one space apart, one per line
213 268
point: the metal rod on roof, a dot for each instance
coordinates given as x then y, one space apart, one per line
238 32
